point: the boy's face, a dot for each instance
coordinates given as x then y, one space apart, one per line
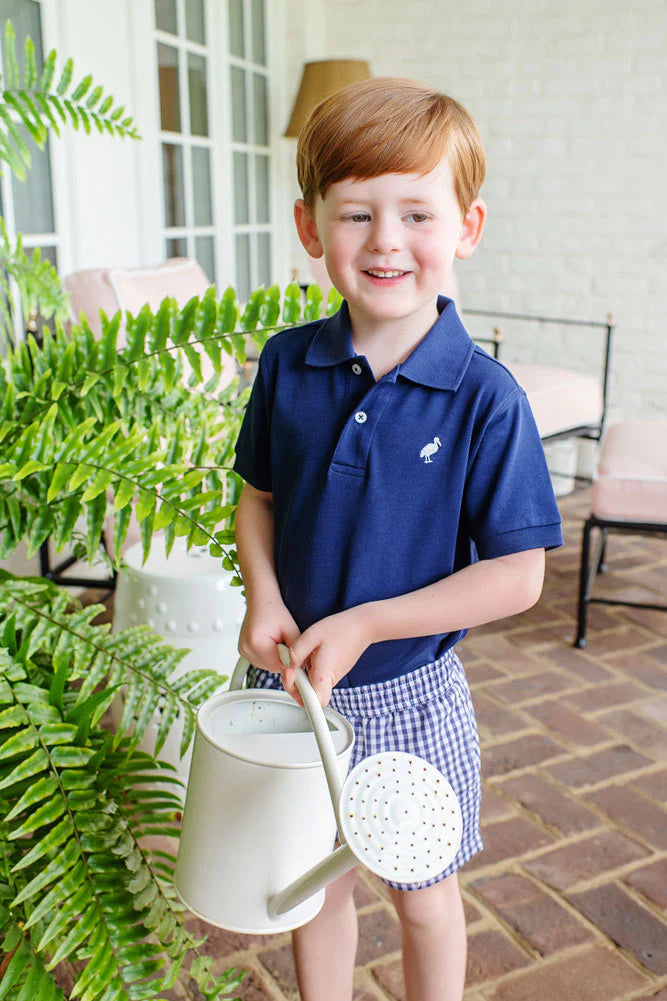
389 241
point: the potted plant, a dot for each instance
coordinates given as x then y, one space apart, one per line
87 428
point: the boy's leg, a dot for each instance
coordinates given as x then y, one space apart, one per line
434 941
325 948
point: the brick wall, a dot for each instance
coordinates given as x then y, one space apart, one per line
569 99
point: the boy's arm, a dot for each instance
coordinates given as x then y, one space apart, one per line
267 620
488 590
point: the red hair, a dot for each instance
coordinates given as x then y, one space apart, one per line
388 125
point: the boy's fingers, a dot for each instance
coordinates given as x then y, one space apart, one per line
289 684
291 635
271 660
302 648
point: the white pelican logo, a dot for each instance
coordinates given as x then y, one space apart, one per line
430 449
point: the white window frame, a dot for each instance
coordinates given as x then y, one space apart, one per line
219 141
251 149
59 192
184 139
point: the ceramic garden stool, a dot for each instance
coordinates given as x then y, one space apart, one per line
188 600
629 495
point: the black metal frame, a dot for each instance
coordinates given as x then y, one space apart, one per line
590 431
56 573
589 570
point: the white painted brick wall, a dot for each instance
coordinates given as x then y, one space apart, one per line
571 100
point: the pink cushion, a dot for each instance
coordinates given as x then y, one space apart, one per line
90 291
559 397
178 277
129 289
631 479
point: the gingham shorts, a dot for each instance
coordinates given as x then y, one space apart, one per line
427 712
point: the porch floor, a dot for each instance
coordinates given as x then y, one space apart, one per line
567 900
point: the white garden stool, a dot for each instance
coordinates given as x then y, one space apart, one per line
187 599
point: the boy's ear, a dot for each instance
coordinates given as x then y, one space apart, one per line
472 229
306 228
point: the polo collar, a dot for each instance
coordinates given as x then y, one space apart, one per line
332 344
440 360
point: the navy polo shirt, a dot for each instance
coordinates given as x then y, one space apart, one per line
382 487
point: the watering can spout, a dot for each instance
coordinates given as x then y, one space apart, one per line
329 869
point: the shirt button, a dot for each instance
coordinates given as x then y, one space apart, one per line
356 369
361 417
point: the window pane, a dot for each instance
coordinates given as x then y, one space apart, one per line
165 16
243 266
197 87
33 204
262 205
239 124
260 106
201 184
264 259
241 197
174 197
195 27
170 112
258 44
177 248
25 21
48 254
236 42
205 254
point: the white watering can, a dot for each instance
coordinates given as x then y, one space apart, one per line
266 797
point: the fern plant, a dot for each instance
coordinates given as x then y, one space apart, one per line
90 431
92 434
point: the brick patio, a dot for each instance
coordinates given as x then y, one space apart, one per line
567 900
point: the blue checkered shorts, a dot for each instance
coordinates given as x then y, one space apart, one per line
427 712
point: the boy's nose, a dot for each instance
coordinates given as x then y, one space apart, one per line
383 236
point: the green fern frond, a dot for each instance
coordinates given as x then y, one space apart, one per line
77 880
87 429
40 108
23 976
135 658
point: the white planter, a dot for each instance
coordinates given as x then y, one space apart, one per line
187 599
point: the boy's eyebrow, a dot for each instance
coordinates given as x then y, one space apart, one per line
416 200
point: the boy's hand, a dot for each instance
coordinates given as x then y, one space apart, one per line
262 630
329 648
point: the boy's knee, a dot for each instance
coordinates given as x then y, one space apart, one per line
423 908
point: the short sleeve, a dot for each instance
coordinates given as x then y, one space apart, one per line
509 501
253 451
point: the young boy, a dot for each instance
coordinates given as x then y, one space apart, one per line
395 492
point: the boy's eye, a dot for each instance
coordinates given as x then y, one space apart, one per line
417 217
358 217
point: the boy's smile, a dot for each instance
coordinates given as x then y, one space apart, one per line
389 243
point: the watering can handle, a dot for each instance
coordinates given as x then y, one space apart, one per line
323 738
320 729
238 674
317 719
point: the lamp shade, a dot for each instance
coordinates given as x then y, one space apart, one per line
319 80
